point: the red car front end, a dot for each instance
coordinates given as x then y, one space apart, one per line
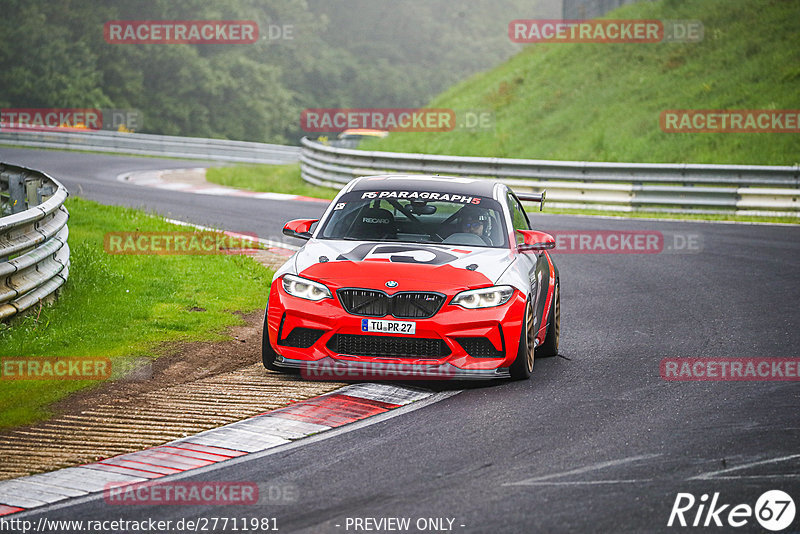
449 341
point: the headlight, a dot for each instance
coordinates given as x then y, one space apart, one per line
487 297
305 289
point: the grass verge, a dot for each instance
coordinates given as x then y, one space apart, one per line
268 179
124 306
602 102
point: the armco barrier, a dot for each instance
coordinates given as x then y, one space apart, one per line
34 254
678 188
153 145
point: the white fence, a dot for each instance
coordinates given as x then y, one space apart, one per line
154 145
681 188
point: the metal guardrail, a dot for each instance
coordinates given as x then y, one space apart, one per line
34 254
154 145
677 188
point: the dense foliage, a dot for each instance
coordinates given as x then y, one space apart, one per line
354 53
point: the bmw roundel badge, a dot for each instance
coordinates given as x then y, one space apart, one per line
391 283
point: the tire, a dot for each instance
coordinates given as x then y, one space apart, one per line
268 354
550 346
522 367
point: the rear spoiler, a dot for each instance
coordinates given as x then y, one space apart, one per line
533 197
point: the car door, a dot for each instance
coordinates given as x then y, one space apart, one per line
536 263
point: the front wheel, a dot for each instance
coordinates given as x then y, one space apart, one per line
268 354
550 345
522 367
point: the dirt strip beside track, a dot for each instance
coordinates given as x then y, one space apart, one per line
153 418
192 387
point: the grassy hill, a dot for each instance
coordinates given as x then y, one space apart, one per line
601 102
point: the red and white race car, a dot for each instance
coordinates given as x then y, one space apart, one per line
440 275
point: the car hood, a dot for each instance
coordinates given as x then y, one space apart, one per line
413 266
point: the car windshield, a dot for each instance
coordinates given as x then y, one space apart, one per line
418 217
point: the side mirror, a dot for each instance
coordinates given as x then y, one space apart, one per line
534 241
300 228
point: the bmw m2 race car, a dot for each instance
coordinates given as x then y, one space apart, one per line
440 276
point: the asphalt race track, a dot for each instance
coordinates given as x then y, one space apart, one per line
595 441
94 176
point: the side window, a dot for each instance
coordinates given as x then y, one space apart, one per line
518 217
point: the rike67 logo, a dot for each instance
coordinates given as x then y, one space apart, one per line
774 510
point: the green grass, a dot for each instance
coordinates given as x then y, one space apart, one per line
267 179
601 102
124 307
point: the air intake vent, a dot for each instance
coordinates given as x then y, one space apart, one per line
388 346
301 338
479 347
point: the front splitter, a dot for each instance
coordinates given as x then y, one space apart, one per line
334 369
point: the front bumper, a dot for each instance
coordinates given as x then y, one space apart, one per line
500 326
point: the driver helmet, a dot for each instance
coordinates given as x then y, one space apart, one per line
475 220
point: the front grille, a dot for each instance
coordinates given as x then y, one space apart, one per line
364 302
416 305
301 338
404 305
388 346
479 347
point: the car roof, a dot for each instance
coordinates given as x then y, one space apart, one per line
417 182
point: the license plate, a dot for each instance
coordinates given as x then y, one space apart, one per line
388 327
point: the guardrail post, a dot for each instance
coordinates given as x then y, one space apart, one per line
16 193
43 193
31 191
5 207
